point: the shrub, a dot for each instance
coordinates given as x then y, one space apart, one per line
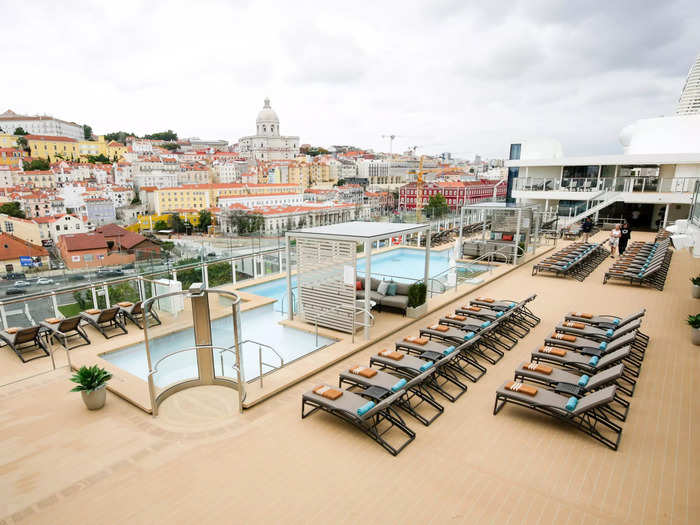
695 280
416 294
694 320
89 379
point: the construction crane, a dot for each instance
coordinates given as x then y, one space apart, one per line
419 185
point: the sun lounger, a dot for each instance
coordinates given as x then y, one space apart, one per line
499 332
62 330
595 348
608 321
378 385
104 320
568 383
608 335
509 317
585 414
464 363
134 312
457 336
24 341
374 419
410 366
520 308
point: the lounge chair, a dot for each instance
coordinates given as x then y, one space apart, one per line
134 313
24 341
63 329
509 317
603 320
499 331
378 385
410 366
568 383
522 311
608 335
457 336
374 419
596 348
464 363
585 414
103 320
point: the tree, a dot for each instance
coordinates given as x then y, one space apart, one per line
20 131
341 182
437 205
37 164
136 200
101 158
119 136
246 222
160 225
169 135
204 220
13 209
171 146
22 143
177 223
87 132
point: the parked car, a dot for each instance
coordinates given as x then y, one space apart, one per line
44 280
22 284
15 291
76 277
13 276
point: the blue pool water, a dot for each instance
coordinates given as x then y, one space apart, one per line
259 324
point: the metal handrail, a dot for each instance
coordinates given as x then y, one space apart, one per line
260 361
284 297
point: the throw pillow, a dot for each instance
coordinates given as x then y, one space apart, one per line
382 288
391 290
358 285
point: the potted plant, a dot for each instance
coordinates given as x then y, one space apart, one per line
417 306
92 385
694 322
696 286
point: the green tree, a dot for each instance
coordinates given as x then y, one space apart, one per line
136 200
177 224
22 143
437 205
169 135
87 132
13 209
341 182
160 225
20 131
101 158
119 136
172 146
37 164
204 220
246 222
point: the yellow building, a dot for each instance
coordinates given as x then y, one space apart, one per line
115 150
53 148
8 141
12 157
24 229
147 222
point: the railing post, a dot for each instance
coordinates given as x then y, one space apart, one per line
94 297
233 271
3 315
54 303
105 288
205 275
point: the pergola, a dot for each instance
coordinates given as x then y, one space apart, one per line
329 251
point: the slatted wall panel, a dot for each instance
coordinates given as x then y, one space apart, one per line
321 288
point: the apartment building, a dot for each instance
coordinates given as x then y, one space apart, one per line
53 147
456 193
40 125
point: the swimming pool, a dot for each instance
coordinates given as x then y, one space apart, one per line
259 324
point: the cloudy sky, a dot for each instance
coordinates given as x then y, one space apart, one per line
445 75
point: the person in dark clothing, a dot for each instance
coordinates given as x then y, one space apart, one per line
625 236
586 227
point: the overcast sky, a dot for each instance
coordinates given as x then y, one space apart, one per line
445 75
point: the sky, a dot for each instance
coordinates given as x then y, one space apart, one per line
443 75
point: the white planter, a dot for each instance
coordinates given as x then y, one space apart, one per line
696 291
695 336
417 312
96 399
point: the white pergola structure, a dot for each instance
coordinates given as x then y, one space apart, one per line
326 255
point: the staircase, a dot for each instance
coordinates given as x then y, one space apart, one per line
605 199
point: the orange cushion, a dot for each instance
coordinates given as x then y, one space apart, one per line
363 371
125 303
574 324
391 354
52 320
584 315
12 330
485 299
554 350
328 392
536 367
416 340
439 327
564 337
521 388
92 311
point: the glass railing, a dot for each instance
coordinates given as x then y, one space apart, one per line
623 184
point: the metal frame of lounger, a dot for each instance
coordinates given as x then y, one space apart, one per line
510 318
597 334
588 416
457 336
409 372
578 263
128 312
62 335
638 269
593 348
461 364
500 330
101 326
606 320
504 305
566 383
580 363
415 392
22 343
368 423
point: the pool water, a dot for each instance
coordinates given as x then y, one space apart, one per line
259 324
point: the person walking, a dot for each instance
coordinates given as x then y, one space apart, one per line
625 234
586 227
615 235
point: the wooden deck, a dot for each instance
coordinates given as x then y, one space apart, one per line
200 461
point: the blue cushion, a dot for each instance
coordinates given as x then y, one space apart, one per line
571 404
511 305
499 314
616 321
485 324
593 360
603 346
448 350
426 366
468 336
609 332
369 405
399 385
583 380
391 290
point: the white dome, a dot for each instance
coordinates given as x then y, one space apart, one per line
677 134
267 114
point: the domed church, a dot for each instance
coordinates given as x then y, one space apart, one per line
267 143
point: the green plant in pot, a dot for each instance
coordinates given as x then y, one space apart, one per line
417 307
92 385
694 322
696 286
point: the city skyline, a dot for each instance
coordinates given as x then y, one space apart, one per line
443 76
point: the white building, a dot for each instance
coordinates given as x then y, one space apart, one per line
157 178
689 103
263 199
229 170
267 143
40 125
54 226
